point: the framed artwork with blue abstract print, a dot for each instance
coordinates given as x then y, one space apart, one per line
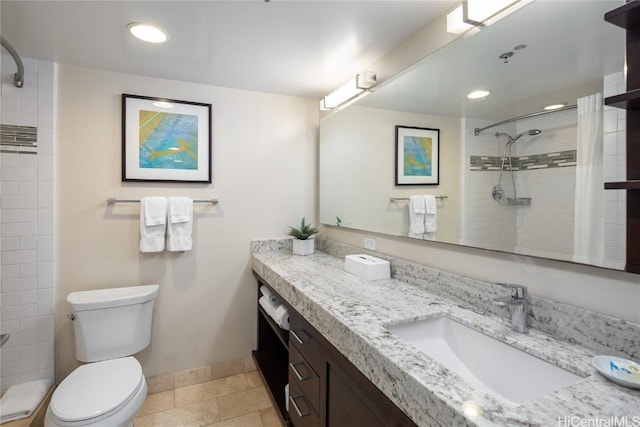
417 156
165 140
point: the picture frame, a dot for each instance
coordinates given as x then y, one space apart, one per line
417 156
165 140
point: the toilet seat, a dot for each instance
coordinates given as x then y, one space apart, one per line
96 391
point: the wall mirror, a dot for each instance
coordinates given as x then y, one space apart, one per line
513 187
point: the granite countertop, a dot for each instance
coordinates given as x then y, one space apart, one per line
352 314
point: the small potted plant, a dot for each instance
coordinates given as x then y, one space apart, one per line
302 244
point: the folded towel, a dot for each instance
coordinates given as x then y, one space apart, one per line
180 209
416 219
417 204
155 210
21 400
152 236
180 224
269 295
430 217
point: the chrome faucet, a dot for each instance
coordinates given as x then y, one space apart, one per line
517 303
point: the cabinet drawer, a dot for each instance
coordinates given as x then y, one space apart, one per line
301 413
306 340
302 373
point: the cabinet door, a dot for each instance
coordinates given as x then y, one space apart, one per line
352 400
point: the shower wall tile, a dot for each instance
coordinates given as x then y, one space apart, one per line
45 141
610 120
27 224
614 169
544 167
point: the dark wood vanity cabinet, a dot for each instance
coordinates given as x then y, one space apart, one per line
325 389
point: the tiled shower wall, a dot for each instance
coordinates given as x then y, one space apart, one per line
615 169
547 176
545 228
486 223
27 219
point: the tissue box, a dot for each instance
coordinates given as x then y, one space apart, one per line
367 267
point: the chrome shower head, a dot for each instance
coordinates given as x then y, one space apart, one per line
531 132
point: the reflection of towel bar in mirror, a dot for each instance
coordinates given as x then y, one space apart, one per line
113 200
395 199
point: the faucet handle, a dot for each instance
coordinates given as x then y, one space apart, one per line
517 291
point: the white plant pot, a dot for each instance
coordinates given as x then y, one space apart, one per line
303 247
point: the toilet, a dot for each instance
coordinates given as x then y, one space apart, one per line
110 325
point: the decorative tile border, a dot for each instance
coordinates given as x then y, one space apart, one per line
22 139
557 159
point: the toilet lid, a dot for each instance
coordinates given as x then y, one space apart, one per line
95 389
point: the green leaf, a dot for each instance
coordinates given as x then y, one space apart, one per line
303 232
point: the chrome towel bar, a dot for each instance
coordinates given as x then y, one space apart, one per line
113 200
395 199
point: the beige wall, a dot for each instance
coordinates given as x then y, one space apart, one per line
264 173
606 291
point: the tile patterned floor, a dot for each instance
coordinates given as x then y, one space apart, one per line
236 401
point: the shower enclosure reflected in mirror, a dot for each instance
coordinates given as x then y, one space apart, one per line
530 186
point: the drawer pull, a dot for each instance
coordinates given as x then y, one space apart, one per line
298 374
301 414
297 337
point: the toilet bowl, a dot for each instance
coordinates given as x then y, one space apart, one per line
109 325
101 394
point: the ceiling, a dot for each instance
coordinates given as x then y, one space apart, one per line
569 47
300 48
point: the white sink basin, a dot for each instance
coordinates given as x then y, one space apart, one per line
511 375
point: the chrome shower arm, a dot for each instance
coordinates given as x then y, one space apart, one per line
18 78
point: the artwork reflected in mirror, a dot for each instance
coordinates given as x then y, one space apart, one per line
512 176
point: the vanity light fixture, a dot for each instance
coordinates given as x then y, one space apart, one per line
476 12
455 23
478 94
555 106
479 13
147 32
350 91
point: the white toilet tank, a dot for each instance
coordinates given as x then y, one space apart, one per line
111 323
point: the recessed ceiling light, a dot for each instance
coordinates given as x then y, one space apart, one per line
477 94
162 104
147 32
555 106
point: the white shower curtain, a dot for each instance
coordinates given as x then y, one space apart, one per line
588 238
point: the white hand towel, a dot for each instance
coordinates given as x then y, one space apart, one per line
416 219
180 224
431 215
155 210
21 400
270 296
180 209
152 236
417 204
